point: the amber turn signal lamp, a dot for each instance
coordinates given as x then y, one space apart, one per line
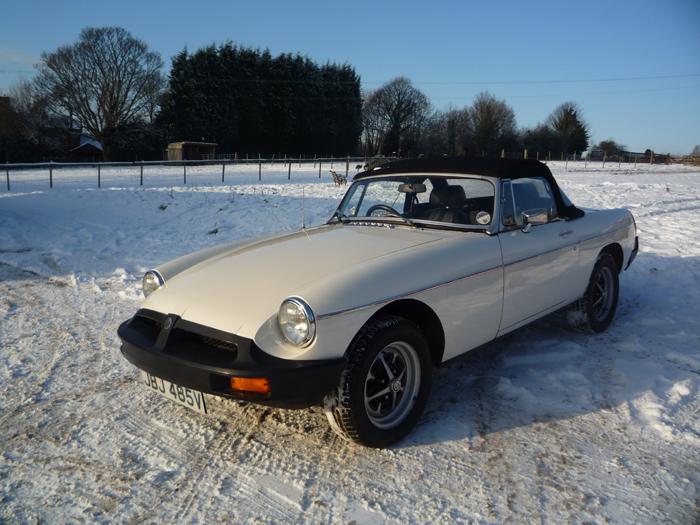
259 385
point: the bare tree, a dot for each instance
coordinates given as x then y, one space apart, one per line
394 116
567 122
32 109
373 126
493 124
448 132
106 80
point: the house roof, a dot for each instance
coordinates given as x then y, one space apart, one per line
86 140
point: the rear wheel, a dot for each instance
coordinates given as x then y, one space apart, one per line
384 389
596 310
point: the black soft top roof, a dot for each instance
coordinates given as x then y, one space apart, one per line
500 168
487 167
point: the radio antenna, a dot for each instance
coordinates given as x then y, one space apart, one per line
303 222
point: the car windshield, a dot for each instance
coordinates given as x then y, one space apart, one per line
425 199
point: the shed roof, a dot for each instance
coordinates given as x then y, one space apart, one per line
190 143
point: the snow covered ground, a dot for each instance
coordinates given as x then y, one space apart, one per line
546 425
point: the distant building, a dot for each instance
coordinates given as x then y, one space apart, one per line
60 134
191 150
88 150
597 154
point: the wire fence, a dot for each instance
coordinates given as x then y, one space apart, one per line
40 175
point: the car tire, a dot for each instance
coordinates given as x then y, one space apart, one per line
596 309
384 388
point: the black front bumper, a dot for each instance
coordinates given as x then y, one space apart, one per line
201 358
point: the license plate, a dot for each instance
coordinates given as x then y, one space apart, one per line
185 396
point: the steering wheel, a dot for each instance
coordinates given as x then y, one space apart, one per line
384 207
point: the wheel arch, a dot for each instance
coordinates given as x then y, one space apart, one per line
615 250
422 315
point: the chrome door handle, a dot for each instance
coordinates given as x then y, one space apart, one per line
567 232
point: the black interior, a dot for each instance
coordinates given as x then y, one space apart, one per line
447 203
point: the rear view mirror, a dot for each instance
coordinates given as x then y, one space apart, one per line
408 187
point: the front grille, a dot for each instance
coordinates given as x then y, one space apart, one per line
147 327
186 340
221 345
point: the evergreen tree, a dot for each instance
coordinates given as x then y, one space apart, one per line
248 101
571 130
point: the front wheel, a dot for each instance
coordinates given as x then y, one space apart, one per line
596 310
385 386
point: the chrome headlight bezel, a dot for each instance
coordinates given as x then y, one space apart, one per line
309 316
152 281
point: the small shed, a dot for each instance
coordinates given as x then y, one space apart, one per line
88 150
191 150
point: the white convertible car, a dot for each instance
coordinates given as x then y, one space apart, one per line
422 261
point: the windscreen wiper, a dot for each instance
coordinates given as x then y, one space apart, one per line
404 219
337 215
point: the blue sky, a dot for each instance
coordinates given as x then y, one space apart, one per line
451 50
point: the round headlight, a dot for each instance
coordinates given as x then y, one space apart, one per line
296 321
152 280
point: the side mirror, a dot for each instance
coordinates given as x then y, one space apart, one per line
534 217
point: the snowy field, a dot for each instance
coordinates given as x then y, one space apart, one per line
544 426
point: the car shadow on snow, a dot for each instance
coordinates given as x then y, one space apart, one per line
546 372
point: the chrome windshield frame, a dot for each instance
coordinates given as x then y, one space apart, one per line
492 228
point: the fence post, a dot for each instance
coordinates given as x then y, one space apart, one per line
566 166
503 153
184 174
259 168
300 160
525 153
315 155
347 167
604 155
562 155
319 169
549 156
651 158
99 175
50 174
141 178
223 170
7 176
289 170
538 155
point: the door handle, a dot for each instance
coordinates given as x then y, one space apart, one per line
567 232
